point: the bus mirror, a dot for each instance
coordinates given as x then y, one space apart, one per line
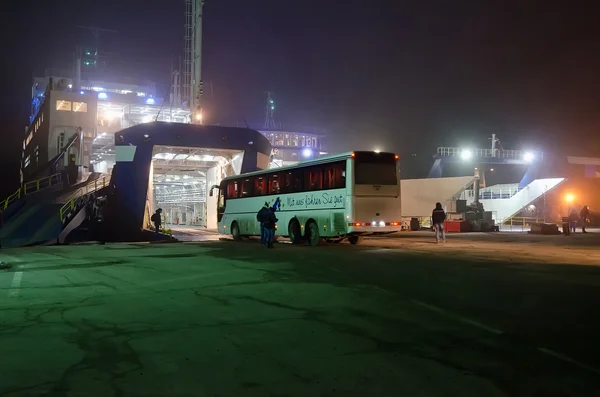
210 193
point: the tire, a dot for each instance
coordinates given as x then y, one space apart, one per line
354 239
294 232
235 231
312 234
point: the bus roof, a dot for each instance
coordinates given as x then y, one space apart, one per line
305 163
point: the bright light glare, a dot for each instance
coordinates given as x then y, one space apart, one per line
381 223
377 150
199 116
148 118
528 156
569 198
150 101
307 152
466 154
102 95
112 114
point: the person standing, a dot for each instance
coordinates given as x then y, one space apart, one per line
261 217
438 216
584 214
156 219
573 220
270 223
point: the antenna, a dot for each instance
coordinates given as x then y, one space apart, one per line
269 111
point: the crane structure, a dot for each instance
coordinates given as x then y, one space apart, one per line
269 112
192 61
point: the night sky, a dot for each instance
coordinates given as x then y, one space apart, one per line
403 76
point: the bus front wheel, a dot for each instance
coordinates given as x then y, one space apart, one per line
294 232
235 231
312 234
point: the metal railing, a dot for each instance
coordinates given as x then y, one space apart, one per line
493 192
30 188
79 197
488 153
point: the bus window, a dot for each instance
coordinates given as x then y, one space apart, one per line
260 186
313 178
232 189
246 188
274 186
334 175
293 181
375 169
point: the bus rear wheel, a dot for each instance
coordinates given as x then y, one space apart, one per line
312 234
235 231
354 239
294 232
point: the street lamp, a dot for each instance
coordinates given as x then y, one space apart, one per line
569 198
466 154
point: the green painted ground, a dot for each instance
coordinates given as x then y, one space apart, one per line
234 319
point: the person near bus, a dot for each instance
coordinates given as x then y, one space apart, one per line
261 217
584 214
438 216
573 219
270 223
156 219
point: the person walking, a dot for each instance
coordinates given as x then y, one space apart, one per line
261 217
584 214
270 223
438 216
156 219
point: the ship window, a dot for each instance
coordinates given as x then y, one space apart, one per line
63 105
79 107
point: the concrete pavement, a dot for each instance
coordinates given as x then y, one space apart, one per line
234 319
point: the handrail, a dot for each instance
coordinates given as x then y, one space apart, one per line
30 188
80 193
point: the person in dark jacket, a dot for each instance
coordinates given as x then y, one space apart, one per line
270 223
438 216
156 219
261 217
584 214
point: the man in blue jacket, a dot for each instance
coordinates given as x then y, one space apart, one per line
261 217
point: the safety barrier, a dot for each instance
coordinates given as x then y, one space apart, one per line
30 188
79 197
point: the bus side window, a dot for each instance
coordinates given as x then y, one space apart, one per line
260 186
293 181
232 189
313 178
246 188
335 176
274 186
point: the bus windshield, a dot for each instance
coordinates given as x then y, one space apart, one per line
375 169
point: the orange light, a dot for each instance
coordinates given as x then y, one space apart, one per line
352 155
396 157
355 224
569 198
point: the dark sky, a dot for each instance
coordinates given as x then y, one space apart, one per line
404 76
